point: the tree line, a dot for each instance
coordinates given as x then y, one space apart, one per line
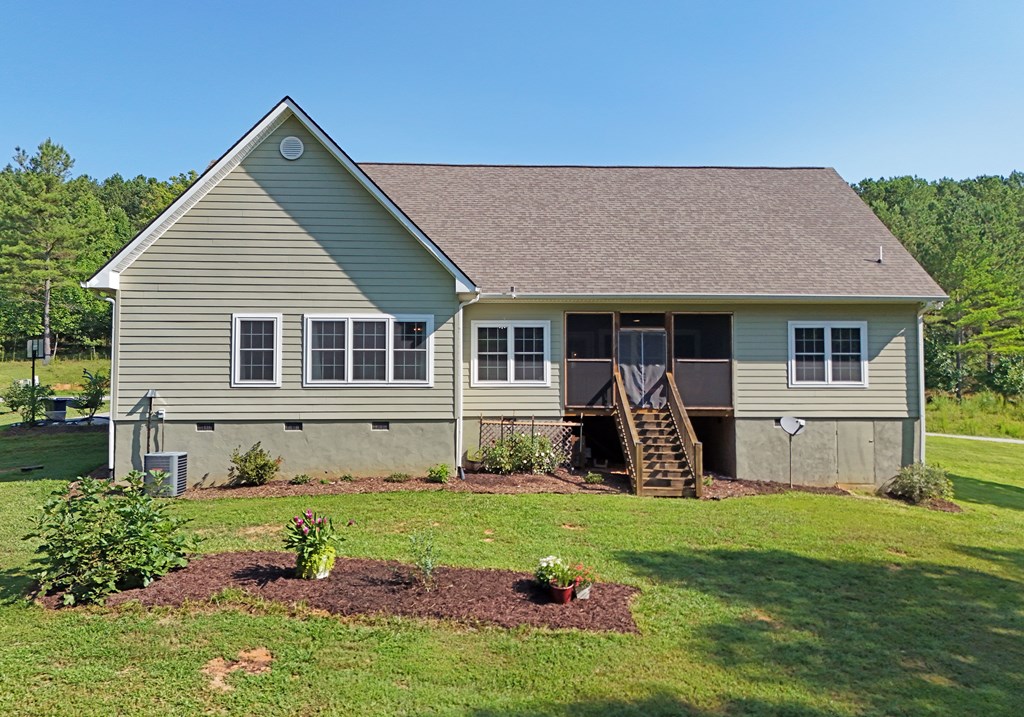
57 229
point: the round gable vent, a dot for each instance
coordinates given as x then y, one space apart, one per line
291 147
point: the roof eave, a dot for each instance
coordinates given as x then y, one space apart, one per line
499 297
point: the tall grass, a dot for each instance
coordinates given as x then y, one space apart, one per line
980 414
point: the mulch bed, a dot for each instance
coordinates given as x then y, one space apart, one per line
731 488
376 587
561 481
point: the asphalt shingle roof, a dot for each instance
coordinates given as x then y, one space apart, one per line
655 230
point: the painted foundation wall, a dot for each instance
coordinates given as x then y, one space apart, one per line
321 447
829 451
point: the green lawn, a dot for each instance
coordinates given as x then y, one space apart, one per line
795 604
58 373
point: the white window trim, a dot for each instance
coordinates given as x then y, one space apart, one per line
510 381
390 380
236 365
828 326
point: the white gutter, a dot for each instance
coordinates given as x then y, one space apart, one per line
459 327
113 384
710 298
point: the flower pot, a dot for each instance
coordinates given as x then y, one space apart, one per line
316 567
561 595
583 592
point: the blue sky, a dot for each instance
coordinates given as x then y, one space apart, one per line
871 88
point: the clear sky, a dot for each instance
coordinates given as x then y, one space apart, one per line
874 89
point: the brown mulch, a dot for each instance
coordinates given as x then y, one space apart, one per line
942 505
732 488
561 481
375 587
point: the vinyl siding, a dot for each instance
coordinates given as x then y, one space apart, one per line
281 237
761 353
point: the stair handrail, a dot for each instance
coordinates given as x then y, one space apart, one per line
693 448
628 433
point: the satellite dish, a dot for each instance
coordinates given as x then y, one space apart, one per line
792 426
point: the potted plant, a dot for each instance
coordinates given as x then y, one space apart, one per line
315 543
556 575
585 579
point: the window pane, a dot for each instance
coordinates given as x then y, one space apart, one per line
528 356
256 350
846 355
327 354
809 354
410 355
369 350
492 353
588 336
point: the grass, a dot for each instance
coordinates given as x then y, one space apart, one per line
981 414
62 455
58 373
796 604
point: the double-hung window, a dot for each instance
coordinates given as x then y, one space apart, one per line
367 350
511 352
831 353
256 350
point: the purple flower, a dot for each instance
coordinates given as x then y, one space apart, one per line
309 514
319 521
305 530
351 522
298 521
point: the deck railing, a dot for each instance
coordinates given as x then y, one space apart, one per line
693 448
631 446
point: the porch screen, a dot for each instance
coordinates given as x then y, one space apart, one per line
588 359
643 355
702 349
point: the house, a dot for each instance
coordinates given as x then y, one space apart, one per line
370 318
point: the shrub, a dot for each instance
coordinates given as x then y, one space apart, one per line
424 556
301 479
397 478
94 390
98 538
254 467
314 541
347 478
920 482
593 478
520 453
27 400
439 473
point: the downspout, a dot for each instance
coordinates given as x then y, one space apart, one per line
921 398
113 384
459 378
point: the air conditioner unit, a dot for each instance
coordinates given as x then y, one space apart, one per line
175 465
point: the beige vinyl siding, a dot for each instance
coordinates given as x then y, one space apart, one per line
279 237
761 352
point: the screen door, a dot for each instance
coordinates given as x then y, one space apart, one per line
643 354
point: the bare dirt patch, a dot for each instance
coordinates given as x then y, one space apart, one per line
561 481
732 488
254 662
374 587
942 505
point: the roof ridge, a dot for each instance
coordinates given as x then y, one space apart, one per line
589 166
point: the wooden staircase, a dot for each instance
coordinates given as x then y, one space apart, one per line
663 455
666 471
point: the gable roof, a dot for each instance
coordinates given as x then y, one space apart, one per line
657 231
108 276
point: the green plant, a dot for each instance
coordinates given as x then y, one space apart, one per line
439 473
424 556
94 390
551 571
347 478
254 467
98 538
520 453
397 478
314 541
27 399
593 478
301 479
920 482
708 480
